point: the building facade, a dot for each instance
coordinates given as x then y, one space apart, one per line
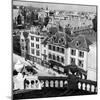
59 48
66 51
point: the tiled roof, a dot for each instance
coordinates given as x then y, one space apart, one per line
80 43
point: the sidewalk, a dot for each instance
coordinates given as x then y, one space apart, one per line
42 71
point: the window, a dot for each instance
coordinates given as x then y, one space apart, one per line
37 38
32 51
54 39
72 60
44 45
78 43
62 59
26 47
80 63
37 52
32 44
50 56
49 47
58 59
53 48
73 52
74 28
44 58
58 49
54 58
32 37
81 54
62 50
37 46
62 41
44 51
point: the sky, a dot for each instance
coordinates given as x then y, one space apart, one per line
55 6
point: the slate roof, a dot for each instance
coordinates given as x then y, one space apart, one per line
54 39
80 43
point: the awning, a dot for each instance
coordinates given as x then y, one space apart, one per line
55 63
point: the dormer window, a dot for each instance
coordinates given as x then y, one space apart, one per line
54 39
54 48
78 43
62 41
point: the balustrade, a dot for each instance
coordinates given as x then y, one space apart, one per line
62 82
87 86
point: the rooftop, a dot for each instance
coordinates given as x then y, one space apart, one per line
80 42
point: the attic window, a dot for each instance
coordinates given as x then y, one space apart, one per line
78 43
54 38
62 41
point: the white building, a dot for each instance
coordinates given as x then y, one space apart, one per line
36 49
62 49
92 66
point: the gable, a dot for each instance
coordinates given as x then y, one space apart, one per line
81 43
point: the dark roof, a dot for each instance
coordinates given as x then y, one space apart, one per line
54 39
81 43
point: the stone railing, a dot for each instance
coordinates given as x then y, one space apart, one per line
54 82
87 85
71 83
